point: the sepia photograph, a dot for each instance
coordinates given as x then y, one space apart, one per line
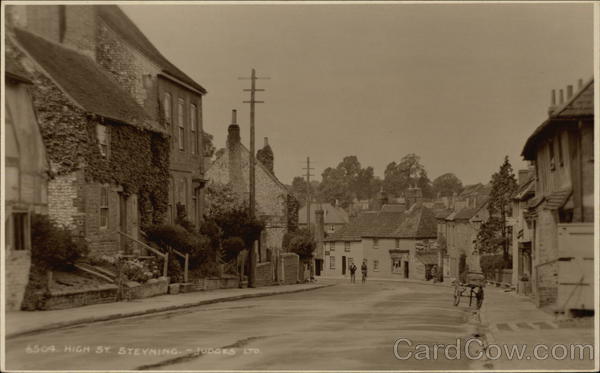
219 186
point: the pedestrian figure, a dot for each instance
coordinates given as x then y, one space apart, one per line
353 273
363 269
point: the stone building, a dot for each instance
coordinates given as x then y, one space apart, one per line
562 211
459 230
232 167
520 225
394 244
167 95
26 180
103 148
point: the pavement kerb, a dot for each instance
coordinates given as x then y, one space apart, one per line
443 284
115 316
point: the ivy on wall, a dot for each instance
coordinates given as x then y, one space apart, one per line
138 159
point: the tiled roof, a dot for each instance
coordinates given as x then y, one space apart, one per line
525 191
118 21
85 82
557 199
580 105
354 230
465 214
333 215
418 222
396 207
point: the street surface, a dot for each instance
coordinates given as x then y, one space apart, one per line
347 326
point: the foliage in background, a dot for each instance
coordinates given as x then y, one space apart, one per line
409 172
53 246
446 185
347 181
167 236
492 237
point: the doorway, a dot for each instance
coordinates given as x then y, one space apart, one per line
123 221
343 265
405 269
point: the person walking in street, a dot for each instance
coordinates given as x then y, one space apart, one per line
353 273
363 269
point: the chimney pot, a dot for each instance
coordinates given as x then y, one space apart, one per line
562 97
569 92
266 142
553 100
580 84
233 116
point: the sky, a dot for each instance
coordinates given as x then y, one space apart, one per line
460 85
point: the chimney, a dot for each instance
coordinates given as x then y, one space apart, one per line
523 176
233 131
552 102
413 196
569 92
236 180
266 142
562 97
579 84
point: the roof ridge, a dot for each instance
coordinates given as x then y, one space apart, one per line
577 94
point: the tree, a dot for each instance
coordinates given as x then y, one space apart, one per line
347 181
409 172
492 236
207 144
300 242
446 185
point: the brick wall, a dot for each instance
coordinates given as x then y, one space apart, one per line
64 200
17 275
290 263
264 274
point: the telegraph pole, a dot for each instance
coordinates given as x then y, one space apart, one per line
252 180
308 196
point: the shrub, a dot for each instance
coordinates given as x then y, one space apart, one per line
300 242
53 246
168 236
137 270
232 247
490 264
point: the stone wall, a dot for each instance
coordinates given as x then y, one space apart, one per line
547 284
290 264
151 288
17 275
78 298
264 274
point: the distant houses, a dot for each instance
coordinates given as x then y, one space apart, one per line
393 244
334 217
562 209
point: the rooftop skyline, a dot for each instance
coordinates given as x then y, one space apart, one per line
460 85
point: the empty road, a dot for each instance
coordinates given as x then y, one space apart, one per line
347 326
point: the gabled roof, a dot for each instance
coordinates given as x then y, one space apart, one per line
580 105
332 215
85 82
418 222
118 21
525 191
354 230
